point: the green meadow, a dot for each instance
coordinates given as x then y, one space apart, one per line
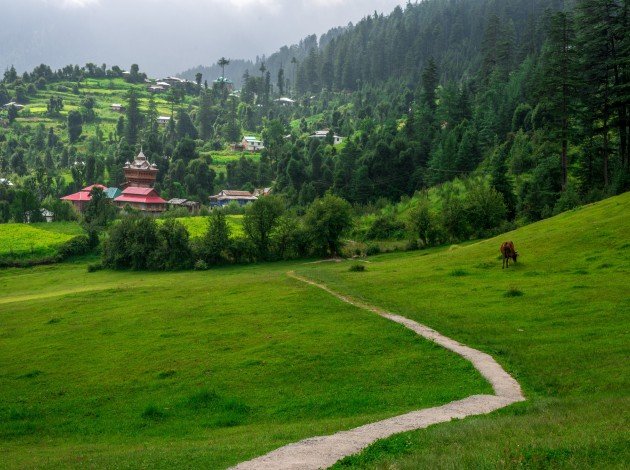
41 240
196 369
207 369
557 321
35 240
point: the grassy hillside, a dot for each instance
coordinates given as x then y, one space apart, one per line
41 240
196 369
35 240
106 91
557 321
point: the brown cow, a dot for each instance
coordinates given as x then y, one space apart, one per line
508 251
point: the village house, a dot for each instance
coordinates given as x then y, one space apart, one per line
252 144
163 120
117 107
284 101
192 206
223 82
173 81
13 104
227 196
164 85
323 134
80 199
262 192
157 89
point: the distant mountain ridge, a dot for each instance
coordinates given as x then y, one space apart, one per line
282 58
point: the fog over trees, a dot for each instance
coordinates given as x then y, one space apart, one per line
165 37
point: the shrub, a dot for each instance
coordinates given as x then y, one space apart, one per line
327 219
568 200
458 273
372 249
76 246
201 265
357 268
384 227
152 412
94 267
513 292
485 207
421 222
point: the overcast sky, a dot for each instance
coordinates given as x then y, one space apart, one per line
164 36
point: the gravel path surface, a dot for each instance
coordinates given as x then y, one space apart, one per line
323 451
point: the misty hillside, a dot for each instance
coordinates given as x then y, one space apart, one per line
280 59
398 45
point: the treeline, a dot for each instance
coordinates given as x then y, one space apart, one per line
270 232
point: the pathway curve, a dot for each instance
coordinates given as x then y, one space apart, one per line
323 451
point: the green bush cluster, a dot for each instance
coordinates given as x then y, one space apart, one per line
270 233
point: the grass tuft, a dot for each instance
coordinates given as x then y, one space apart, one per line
458 273
513 292
357 268
31 375
152 412
165 374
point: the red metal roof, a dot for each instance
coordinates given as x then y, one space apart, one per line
140 199
84 194
80 196
138 191
140 195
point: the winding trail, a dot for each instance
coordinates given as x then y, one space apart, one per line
323 451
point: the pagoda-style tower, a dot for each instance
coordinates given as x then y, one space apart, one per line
140 173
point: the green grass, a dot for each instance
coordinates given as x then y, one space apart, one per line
40 240
34 240
557 321
197 369
198 226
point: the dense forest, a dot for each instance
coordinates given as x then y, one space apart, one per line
522 103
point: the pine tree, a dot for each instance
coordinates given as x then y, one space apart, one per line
133 118
559 78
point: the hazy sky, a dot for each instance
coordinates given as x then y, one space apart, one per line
164 36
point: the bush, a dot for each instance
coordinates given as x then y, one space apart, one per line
421 222
385 227
357 268
76 246
485 208
568 200
201 265
372 249
92 268
327 219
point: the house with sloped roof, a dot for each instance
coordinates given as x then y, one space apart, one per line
323 134
81 198
252 144
143 199
227 196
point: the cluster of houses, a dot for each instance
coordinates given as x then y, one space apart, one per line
138 192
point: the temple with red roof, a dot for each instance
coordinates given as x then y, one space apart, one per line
138 191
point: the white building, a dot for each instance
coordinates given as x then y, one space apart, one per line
321 135
163 120
284 101
252 144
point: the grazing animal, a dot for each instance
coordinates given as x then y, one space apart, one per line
508 251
